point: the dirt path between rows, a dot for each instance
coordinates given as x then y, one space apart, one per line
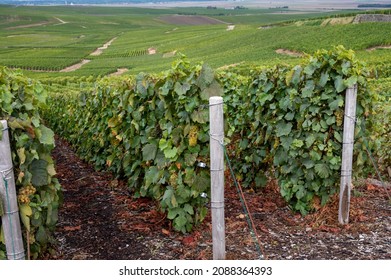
97 52
61 21
28 25
100 50
378 47
76 66
36 24
119 72
290 52
100 219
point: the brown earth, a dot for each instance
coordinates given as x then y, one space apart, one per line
289 52
100 219
119 72
76 66
105 46
335 21
378 47
28 25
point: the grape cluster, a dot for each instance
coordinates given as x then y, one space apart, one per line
193 135
339 115
276 143
173 180
25 193
32 238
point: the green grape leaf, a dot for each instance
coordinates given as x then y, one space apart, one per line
323 170
181 89
39 173
324 78
170 152
339 84
149 152
283 128
45 135
188 208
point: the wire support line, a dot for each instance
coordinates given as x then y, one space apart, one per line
215 104
203 106
16 253
4 173
366 146
378 172
355 119
11 212
216 170
249 219
216 138
346 172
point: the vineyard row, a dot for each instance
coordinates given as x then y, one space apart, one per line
153 129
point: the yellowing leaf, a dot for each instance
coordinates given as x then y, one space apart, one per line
22 155
2 239
51 170
113 122
25 209
25 214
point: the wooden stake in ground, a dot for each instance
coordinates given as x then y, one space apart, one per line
10 219
217 175
347 154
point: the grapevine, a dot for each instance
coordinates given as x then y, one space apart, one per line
282 121
31 145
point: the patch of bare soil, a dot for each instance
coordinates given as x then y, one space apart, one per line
289 52
169 54
335 21
119 72
97 52
100 50
226 67
152 51
61 21
76 66
378 47
100 219
168 32
28 25
190 20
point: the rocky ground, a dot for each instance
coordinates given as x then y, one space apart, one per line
100 220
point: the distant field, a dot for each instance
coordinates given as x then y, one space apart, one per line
190 20
44 41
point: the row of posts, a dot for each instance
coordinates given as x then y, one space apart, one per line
217 167
9 205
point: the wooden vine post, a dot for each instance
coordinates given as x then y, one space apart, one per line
347 154
217 175
10 218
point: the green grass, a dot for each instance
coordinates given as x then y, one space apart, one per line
50 44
